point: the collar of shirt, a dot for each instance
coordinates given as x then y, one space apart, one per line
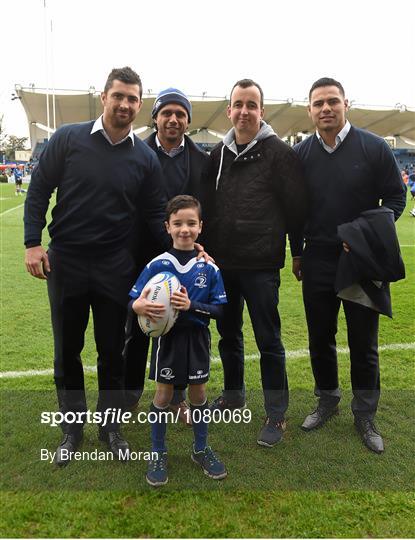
99 126
174 151
341 135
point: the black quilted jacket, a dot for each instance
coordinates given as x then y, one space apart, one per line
250 202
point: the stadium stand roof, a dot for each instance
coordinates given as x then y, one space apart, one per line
209 113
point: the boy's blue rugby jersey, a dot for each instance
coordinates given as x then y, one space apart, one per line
202 280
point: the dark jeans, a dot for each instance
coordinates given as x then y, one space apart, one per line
322 307
135 356
259 288
76 284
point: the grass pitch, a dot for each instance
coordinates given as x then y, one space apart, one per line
322 484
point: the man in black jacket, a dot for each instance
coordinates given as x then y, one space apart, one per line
348 171
182 163
104 176
253 196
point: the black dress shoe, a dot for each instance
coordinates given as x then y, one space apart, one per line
318 417
116 443
369 434
69 444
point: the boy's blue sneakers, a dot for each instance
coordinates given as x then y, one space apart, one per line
210 463
157 470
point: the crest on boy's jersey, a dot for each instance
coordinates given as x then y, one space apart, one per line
201 281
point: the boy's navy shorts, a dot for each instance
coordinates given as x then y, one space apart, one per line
182 356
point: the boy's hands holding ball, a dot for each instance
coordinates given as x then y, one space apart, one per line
180 300
149 309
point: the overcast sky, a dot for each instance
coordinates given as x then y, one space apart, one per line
205 46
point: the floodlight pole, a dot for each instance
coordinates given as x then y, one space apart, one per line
52 65
48 28
45 26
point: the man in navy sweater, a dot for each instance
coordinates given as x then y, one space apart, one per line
348 171
104 176
182 163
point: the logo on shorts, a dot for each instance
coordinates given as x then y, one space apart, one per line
165 263
199 375
167 373
200 281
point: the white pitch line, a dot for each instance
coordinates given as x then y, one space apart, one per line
11 209
34 372
299 353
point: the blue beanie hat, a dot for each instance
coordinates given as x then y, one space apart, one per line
171 95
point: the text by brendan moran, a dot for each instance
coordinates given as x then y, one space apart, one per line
97 455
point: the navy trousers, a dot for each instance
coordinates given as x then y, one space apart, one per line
77 284
319 266
135 356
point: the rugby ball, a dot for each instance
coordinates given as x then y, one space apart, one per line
162 286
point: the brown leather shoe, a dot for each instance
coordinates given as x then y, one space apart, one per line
184 412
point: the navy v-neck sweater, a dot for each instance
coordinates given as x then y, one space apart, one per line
100 189
175 171
359 175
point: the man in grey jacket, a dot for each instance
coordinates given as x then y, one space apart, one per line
254 195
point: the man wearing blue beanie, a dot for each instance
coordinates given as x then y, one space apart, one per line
172 95
182 163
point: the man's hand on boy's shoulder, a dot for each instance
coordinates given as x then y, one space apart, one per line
202 254
180 299
145 307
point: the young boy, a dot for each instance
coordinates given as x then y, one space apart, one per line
181 357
